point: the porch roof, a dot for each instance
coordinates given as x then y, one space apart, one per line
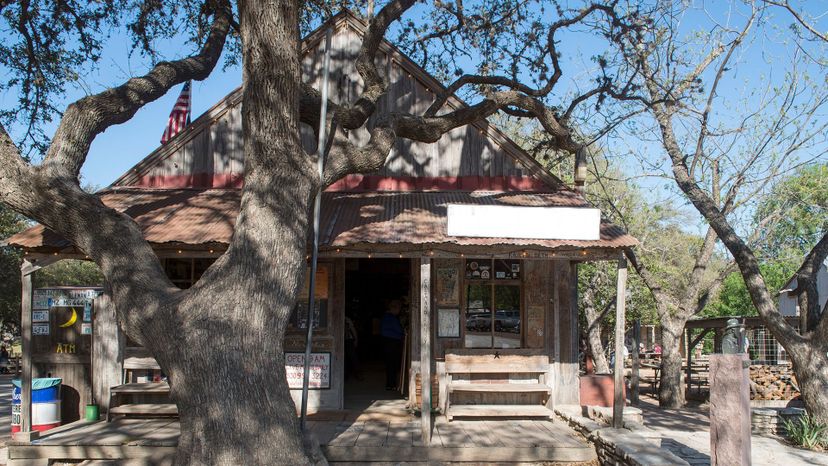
199 217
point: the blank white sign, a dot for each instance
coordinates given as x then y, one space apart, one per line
488 221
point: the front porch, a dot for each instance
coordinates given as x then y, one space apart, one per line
382 433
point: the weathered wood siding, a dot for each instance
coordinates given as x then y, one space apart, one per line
209 152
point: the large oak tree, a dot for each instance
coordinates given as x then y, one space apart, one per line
220 341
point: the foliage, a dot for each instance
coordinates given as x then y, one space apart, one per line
734 299
58 42
800 204
68 273
806 431
10 223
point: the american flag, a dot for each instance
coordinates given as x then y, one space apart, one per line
180 115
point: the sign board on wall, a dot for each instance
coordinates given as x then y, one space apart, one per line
320 370
498 221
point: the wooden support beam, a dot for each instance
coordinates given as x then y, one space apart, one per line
26 348
620 309
636 364
425 349
688 378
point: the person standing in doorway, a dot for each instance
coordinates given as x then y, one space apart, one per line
351 343
392 335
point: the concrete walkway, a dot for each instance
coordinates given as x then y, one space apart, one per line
686 433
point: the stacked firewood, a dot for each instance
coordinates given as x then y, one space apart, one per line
776 382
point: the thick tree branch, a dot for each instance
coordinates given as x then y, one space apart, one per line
354 116
806 285
90 116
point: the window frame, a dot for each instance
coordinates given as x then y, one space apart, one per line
492 283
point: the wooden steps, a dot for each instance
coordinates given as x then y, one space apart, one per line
149 388
145 409
499 411
501 387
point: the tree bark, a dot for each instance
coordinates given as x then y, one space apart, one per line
671 389
594 320
227 364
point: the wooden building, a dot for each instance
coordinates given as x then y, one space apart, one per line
491 318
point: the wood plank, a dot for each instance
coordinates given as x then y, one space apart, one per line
500 411
425 346
620 314
149 388
486 455
373 434
26 348
82 452
468 367
159 409
402 434
349 434
453 434
499 387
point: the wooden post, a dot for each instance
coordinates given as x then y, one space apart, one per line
688 374
636 364
620 309
425 349
26 349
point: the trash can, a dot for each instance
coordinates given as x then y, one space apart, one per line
45 404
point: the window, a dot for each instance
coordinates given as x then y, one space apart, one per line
183 272
492 298
299 317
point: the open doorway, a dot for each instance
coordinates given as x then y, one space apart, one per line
377 311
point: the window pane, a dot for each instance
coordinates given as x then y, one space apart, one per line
478 316
179 269
507 316
479 269
507 269
200 265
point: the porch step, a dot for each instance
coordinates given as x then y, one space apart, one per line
149 388
145 409
498 411
500 387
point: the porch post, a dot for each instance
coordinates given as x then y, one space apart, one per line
636 363
425 348
620 305
26 271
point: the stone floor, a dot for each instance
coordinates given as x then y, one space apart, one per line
686 433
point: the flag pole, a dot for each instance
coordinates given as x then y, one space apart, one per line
320 151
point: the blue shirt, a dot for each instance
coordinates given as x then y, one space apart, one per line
390 327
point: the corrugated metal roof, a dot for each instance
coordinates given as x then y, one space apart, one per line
198 217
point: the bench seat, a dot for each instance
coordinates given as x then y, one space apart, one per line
148 388
464 372
500 387
145 409
500 411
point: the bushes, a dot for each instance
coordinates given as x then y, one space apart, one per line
806 432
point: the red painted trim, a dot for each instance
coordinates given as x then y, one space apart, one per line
363 183
197 180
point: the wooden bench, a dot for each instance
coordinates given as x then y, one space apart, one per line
138 359
501 370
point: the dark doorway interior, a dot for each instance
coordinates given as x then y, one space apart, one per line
370 287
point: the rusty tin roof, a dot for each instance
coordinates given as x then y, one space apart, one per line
196 217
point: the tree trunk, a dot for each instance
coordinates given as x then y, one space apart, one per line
811 369
671 389
596 349
594 320
227 363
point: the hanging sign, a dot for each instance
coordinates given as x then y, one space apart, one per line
320 370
